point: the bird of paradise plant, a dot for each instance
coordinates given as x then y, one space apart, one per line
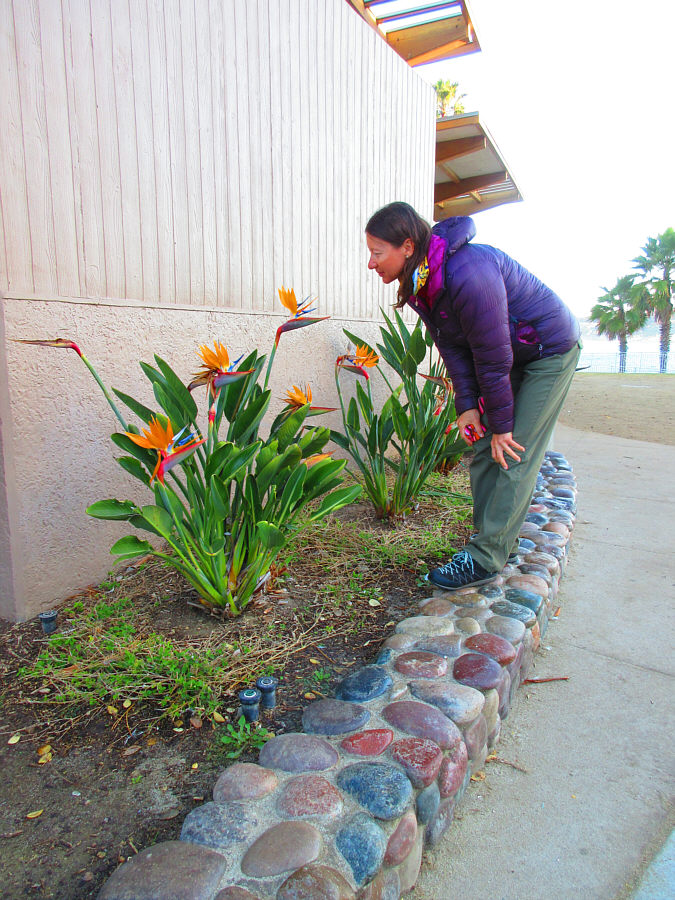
224 504
414 422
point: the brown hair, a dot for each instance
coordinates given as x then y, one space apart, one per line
395 223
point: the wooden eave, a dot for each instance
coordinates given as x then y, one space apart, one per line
471 173
446 33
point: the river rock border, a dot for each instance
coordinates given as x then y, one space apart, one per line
343 810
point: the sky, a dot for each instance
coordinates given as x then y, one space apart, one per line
580 99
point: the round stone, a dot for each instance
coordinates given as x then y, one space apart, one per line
194 871
458 702
234 892
557 528
475 736
528 583
453 771
400 641
315 882
536 518
421 759
427 803
383 790
514 611
534 569
477 671
384 656
425 625
364 684
420 664
309 795
468 625
437 606
421 720
549 537
512 630
525 598
333 717
490 591
524 544
281 848
447 645
543 559
410 867
492 645
385 886
402 840
441 821
220 825
368 743
298 753
244 781
563 492
363 844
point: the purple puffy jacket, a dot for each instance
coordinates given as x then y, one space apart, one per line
487 315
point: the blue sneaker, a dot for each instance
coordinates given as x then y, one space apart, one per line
461 571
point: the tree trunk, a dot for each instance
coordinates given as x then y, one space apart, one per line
623 352
664 340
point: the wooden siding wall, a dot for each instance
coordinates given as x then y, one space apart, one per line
202 152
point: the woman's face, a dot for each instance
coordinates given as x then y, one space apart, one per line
386 259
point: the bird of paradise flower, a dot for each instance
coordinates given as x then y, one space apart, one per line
171 449
296 398
363 358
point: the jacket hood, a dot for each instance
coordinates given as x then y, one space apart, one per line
456 231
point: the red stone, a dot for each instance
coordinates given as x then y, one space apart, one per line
529 583
477 671
420 664
475 736
492 645
315 883
282 847
421 759
368 743
453 771
244 781
310 795
536 636
402 840
424 721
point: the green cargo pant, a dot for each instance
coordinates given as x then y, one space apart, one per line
501 497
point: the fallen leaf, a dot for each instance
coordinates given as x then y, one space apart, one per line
374 603
218 718
34 814
314 662
131 750
45 748
151 741
45 758
196 722
479 776
195 765
179 730
15 738
126 704
112 710
310 696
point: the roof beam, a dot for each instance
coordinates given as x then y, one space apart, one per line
447 150
453 48
467 185
418 10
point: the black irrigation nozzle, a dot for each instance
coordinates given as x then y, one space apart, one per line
250 701
267 685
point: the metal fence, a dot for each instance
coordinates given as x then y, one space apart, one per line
636 363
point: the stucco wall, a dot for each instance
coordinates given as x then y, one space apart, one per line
57 457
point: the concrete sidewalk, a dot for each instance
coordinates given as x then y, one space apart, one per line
595 803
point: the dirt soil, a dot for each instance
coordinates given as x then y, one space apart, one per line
641 407
114 785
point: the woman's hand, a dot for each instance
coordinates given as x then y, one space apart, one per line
470 418
504 443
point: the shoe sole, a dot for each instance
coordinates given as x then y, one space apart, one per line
443 587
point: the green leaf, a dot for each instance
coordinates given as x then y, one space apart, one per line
117 510
271 537
178 390
134 467
130 546
340 439
289 430
336 500
149 457
417 347
357 341
248 419
353 420
159 519
143 412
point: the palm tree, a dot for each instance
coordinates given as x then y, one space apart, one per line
446 91
657 264
619 313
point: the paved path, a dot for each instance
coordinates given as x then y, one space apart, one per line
595 804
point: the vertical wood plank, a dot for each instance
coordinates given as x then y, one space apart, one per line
257 122
13 190
205 117
235 187
36 145
177 140
275 209
142 91
108 149
84 131
245 100
319 40
220 152
58 148
162 151
127 142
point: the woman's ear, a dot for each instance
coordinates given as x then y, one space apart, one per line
408 247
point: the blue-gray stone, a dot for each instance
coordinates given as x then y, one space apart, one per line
365 684
427 803
333 717
563 493
219 825
363 844
536 518
490 591
525 598
383 790
536 569
514 611
525 544
384 656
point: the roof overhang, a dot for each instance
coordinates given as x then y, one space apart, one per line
421 31
471 174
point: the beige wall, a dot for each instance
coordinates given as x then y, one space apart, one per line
180 160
